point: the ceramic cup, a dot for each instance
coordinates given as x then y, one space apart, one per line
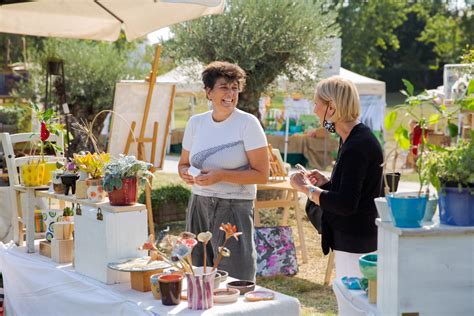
170 288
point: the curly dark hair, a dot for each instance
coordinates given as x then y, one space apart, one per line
223 69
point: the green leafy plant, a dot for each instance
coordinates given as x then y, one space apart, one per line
452 166
93 164
124 167
67 211
175 196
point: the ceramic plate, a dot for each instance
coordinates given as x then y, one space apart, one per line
137 265
255 296
226 295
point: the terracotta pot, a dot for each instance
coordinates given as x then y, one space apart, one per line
95 192
127 195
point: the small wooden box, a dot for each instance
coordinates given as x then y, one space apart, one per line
63 230
141 279
62 251
45 248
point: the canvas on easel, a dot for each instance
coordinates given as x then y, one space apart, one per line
129 107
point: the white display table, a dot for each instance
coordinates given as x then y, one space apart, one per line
427 270
104 233
35 285
352 302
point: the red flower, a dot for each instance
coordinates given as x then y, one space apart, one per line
44 132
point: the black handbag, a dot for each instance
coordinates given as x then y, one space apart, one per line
314 213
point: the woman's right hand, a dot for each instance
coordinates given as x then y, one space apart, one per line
317 178
183 174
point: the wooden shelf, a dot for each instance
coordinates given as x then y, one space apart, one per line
103 205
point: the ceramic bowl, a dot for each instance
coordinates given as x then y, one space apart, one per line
221 276
226 295
368 266
383 209
243 286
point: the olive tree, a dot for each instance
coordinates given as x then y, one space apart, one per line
266 38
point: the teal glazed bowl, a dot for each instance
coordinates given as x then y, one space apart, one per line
368 266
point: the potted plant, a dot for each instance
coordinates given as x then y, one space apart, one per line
38 171
93 166
68 214
451 170
120 179
69 178
408 209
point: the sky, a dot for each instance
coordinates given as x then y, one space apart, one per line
159 36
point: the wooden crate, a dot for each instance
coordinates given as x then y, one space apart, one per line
62 251
140 280
45 248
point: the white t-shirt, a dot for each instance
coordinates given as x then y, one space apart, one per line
222 145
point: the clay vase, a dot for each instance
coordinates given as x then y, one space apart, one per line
127 195
201 289
58 185
95 191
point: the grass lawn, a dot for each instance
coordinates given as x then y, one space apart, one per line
307 284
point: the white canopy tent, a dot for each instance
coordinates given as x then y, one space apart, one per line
372 98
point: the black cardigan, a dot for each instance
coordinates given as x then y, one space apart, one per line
348 221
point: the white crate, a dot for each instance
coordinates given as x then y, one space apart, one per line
99 242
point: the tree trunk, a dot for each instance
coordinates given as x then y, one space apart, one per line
248 102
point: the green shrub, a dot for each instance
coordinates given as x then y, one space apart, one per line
168 202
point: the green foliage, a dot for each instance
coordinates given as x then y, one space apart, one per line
9 115
166 199
454 165
368 29
91 70
175 193
67 211
265 37
124 167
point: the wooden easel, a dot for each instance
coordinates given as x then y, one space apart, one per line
141 140
277 172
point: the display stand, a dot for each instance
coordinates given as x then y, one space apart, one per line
103 234
427 270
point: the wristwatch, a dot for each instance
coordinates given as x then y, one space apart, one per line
311 190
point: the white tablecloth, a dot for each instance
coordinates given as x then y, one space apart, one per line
35 285
352 302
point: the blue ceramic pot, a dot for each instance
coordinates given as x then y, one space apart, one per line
368 266
456 207
407 210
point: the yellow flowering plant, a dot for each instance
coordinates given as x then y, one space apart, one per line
93 164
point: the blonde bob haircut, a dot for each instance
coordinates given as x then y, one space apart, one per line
343 94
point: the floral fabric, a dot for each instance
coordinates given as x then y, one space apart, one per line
275 251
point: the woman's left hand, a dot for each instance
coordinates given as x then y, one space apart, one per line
299 181
208 177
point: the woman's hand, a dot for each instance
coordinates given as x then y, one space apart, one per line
183 173
208 177
299 182
317 178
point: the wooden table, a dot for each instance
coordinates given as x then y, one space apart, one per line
290 199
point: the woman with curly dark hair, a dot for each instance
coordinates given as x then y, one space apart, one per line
224 155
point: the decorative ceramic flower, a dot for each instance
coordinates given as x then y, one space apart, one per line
230 231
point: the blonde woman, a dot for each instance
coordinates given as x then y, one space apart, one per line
347 197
